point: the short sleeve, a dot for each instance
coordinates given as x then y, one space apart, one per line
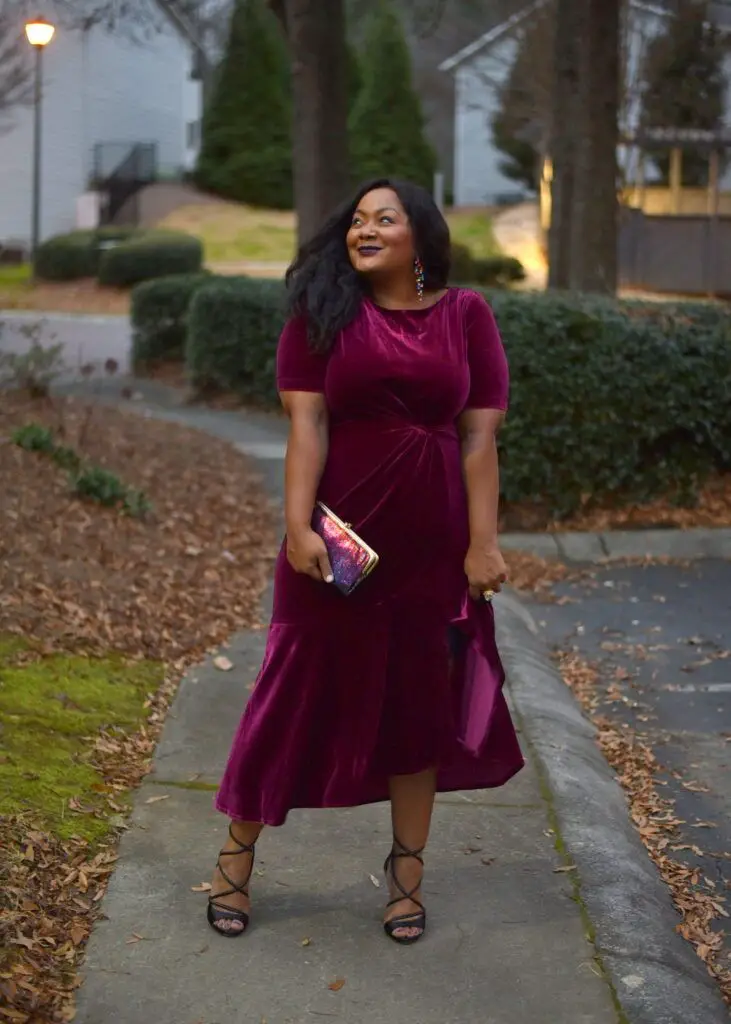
298 367
488 365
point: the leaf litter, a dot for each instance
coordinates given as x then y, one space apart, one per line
80 578
629 753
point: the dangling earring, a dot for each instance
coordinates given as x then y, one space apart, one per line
419 274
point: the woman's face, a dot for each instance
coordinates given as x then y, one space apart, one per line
380 239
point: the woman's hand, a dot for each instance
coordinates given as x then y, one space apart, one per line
485 568
306 553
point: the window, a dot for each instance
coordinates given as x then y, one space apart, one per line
193 134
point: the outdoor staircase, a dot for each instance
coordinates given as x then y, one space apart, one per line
121 170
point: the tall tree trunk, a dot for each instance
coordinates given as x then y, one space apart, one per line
316 34
593 246
564 138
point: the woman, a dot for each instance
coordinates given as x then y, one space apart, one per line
395 386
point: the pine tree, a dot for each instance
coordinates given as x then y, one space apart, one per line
246 151
520 124
386 125
685 84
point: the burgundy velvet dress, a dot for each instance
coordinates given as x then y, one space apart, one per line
382 682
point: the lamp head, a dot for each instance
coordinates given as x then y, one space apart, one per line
39 32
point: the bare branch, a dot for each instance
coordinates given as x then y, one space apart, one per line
15 63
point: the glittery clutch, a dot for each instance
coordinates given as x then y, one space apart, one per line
350 557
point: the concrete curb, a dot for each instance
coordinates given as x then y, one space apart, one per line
655 974
615 545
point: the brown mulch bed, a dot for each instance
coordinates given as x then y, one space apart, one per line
712 508
702 907
75 576
85 296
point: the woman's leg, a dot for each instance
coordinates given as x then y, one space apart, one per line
238 868
412 803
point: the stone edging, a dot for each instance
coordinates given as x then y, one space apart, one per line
655 975
684 545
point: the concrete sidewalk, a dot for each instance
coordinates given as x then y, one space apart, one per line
505 943
519 933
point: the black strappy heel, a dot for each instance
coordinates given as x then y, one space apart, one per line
417 919
216 913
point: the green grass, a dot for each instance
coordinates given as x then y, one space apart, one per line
474 229
15 278
233 233
50 710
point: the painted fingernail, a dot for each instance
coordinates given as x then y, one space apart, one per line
330 578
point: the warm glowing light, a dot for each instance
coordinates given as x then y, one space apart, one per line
40 32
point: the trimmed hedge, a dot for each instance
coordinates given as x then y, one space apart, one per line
491 272
76 255
233 329
159 315
67 257
118 256
497 271
610 401
151 255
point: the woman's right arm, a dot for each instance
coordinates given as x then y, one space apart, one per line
303 466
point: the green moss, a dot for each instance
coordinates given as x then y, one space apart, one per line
50 711
203 787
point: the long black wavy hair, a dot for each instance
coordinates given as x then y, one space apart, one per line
324 286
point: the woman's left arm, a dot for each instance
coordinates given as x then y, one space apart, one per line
479 425
484 564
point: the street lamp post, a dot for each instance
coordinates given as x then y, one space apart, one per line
39 33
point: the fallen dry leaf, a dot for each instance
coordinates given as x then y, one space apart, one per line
223 664
636 765
78 577
336 985
157 799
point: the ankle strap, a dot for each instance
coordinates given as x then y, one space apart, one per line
405 851
244 847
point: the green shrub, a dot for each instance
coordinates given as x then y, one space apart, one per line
97 484
76 255
67 257
33 438
160 317
154 254
611 402
87 481
497 271
488 272
463 264
234 325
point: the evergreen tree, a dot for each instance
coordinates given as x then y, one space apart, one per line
246 150
520 124
386 125
685 84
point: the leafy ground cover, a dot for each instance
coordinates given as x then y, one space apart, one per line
100 612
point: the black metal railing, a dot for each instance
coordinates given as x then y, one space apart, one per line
121 169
